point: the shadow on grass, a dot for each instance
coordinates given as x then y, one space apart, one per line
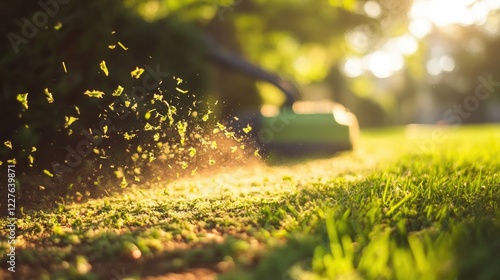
131 254
45 195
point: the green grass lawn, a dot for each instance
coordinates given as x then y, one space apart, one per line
405 205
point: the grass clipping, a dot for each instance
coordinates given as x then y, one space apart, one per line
141 142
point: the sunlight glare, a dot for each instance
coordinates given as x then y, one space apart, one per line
405 44
353 67
372 9
447 63
433 67
420 27
447 12
492 27
443 12
492 4
480 13
437 65
358 40
384 64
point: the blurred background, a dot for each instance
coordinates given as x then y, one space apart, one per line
391 62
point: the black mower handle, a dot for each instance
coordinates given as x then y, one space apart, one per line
227 59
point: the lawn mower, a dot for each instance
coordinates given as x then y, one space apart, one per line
297 128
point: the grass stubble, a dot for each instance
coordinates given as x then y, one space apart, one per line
388 210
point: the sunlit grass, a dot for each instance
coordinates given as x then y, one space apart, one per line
386 211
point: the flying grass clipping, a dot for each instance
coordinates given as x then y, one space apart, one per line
160 136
